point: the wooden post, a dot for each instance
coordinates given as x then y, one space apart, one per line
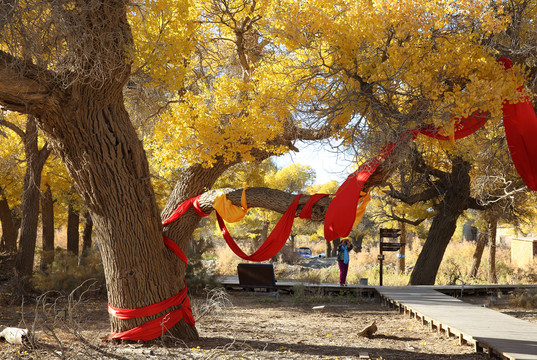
492 247
402 241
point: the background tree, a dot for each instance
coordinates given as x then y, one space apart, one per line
11 181
35 157
47 218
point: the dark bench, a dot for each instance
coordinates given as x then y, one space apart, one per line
257 276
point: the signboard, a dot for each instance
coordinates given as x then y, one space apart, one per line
388 246
391 233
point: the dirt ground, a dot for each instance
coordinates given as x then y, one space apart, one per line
237 325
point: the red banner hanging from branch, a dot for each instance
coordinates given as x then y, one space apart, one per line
520 123
461 127
274 242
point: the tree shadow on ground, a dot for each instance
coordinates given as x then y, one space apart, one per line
210 343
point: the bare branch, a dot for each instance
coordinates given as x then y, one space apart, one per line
473 203
270 199
406 221
425 195
17 130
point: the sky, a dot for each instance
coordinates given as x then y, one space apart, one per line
327 164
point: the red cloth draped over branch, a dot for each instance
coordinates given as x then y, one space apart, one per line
274 242
520 123
341 212
279 235
462 127
307 209
183 207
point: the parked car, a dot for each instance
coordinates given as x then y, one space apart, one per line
304 251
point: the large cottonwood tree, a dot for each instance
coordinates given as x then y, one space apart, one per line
72 83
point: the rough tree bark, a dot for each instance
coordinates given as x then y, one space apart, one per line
73 234
88 126
35 160
47 218
8 242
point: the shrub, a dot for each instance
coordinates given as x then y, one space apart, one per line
65 274
526 299
198 276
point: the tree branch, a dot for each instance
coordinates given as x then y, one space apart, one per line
17 130
262 197
425 195
473 203
406 221
25 87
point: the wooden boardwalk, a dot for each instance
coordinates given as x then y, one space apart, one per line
501 335
232 282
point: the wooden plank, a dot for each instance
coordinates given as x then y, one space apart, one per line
513 338
232 282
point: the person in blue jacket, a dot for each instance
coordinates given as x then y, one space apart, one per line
343 260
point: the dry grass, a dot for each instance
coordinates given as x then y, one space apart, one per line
453 270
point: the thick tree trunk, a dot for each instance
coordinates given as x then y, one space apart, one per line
73 234
193 181
47 218
107 162
35 160
444 224
83 114
493 224
8 242
478 253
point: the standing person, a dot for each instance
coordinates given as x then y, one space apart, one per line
343 260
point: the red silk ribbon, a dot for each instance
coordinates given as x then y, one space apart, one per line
274 242
154 328
306 210
520 123
183 207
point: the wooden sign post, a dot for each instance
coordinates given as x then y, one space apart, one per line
387 246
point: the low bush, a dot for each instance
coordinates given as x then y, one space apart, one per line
65 273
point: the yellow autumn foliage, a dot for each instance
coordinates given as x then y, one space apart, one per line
238 74
11 164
